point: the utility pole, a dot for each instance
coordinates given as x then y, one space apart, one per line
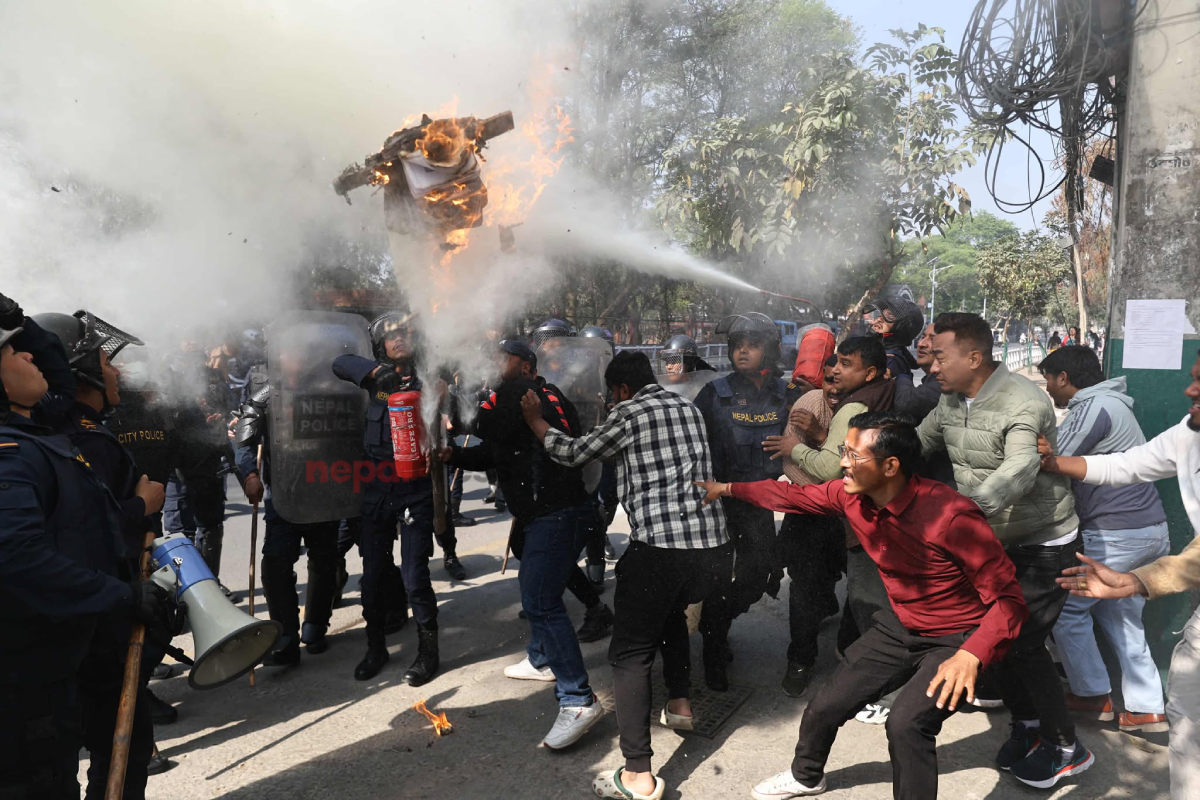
1155 235
933 273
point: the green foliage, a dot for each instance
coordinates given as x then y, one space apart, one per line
1020 273
956 249
829 188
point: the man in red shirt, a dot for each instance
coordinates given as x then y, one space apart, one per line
953 589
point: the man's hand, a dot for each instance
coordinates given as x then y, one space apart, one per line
781 446
956 676
445 454
531 407
806 423
390 380
1044 448
1095 580
253 488
713 491
152 493
148 603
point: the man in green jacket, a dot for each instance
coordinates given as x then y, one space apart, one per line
988 420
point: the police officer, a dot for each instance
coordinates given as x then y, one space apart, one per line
60 552
897 324
386 501
195 503
283 539
740 411
90 343
598 546
680 355
550 329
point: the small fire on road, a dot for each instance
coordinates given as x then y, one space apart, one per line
441 725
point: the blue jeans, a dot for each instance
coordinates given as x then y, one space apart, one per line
1121 621
552 545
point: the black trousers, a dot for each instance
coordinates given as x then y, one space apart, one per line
280 552
814 553
1028 681
758 568
100 693
654 586
885 658
41 732
383 511
866 597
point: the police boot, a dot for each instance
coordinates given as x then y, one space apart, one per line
376 657
279 585
426 665
318 603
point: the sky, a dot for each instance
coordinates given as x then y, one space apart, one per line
877 17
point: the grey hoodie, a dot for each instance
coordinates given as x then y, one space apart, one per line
1100 420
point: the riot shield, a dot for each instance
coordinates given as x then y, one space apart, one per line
689 384
316 424
576 366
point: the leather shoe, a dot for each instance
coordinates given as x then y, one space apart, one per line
314 639
161 712
372 663
287 655
795 680
159 763
454 567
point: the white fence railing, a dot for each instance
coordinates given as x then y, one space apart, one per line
1019 356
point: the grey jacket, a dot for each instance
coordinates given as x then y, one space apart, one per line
993 446
1100 420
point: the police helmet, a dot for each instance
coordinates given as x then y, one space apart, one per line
756 326
83 336
385 324
596 332
550 329
679 349
5 335
906 317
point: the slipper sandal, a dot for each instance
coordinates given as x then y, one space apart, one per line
608 784
676 722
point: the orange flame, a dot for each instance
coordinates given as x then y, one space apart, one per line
441 725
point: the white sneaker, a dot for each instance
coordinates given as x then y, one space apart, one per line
526 671
783 786
873 714
572 722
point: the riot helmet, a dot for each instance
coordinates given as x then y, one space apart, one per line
550 329
905 317
83 336
388 324
678 356
758 327
5 335
596 332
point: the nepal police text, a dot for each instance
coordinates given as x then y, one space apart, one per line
742 416
358 471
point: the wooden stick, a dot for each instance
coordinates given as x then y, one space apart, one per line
254 541
512 527
129 689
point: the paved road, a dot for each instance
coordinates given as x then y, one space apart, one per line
315 732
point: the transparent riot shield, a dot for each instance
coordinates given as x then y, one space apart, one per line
576 366
316 424
687 384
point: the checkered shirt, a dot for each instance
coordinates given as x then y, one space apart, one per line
661 439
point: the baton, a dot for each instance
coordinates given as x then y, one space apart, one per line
254 541
129 687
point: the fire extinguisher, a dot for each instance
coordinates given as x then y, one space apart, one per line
408 435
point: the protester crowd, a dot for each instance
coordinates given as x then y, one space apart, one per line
971 527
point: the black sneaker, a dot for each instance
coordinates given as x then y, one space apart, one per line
454 567
597 623
1046 766
159 763
1021 743
795 680
461 521
162 671
161 712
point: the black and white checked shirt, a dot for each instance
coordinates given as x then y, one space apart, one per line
664 448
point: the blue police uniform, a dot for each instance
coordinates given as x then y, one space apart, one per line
282 540
738 417
384 504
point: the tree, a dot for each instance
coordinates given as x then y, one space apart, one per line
830 189
1020 273
957 248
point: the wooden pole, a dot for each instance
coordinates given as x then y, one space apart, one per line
254 542
129 689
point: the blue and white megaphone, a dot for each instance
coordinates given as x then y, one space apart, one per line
229 642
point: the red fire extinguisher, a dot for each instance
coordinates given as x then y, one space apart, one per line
408 435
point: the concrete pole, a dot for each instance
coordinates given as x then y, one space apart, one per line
1156 234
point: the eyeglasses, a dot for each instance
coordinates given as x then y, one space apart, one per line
855 457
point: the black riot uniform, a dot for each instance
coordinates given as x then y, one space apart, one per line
61 551
388 502
738 416
283 539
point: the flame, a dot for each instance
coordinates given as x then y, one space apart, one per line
441 725
445 144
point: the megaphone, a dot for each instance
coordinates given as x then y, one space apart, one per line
229 642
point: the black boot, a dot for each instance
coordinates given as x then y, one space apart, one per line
318 602
312 636
279 586
795 680
161 712
159 763
597 623
373 661
286 654
454 567
426 664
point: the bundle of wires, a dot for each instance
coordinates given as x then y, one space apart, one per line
1041 64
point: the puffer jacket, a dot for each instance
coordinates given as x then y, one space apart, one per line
993 446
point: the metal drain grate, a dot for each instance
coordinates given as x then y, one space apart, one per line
711 709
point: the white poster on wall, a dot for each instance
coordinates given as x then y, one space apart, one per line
1154 332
